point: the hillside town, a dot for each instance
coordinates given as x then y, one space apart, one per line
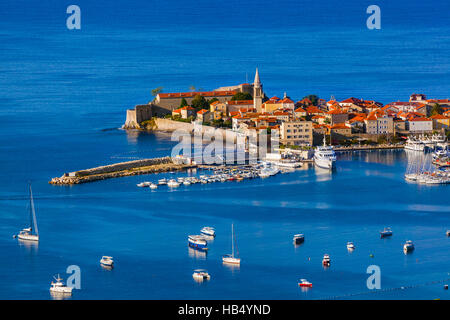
245 108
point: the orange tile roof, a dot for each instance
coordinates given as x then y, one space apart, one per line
239 102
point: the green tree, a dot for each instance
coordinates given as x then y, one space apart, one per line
183 103
199 102
156 91
436 109
242 96
313 98
212 100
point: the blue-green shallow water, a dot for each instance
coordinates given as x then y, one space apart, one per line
62 91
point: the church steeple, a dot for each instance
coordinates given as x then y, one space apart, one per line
257 82
257 92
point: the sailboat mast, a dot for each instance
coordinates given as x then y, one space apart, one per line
33 214
232 240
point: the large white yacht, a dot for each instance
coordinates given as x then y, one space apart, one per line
414 145
324 156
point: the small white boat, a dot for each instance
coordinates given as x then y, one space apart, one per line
200 275
153 186
408 246
209 231
299 238
162 181
230 258
107 261
142 185
173 184
304 283
326 260
186 183
59 287
350 246
387 232
31 233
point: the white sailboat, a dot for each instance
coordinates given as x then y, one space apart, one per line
31 233
230 258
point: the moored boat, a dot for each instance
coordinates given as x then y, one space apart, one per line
230 258
350 246
200 275
326 261
299 238
59 287
387 232
408 246
31 233
209 231
107 261
324 156
304 283
197 242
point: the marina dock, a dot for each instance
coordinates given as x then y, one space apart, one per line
122 169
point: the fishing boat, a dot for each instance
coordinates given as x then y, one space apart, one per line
200 275
324 156
197 242
304 283
230 258
326 261
209 231
59 287
408 246
350 246
107 261
387 232
299 238
31 233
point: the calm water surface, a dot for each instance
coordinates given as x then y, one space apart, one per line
64 95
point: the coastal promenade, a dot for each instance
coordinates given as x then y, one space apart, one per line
377 147
122 169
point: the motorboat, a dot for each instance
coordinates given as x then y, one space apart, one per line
186 183
326 261
350 246
153 186
107 261
414 145
59 287
31 233
173 183
299 238
304 283
209 231
201 275
197 242
387 232
448 233
408 246
324 156
162 181
230 258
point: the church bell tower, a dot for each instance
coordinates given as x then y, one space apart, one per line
257 92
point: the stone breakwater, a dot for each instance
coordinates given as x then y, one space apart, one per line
123 169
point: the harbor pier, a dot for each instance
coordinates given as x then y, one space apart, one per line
122 169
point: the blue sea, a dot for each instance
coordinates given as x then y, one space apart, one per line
63 99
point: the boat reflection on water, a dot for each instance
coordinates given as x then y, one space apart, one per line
234 268
197 254
60 295
30 246
105 267
323 174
